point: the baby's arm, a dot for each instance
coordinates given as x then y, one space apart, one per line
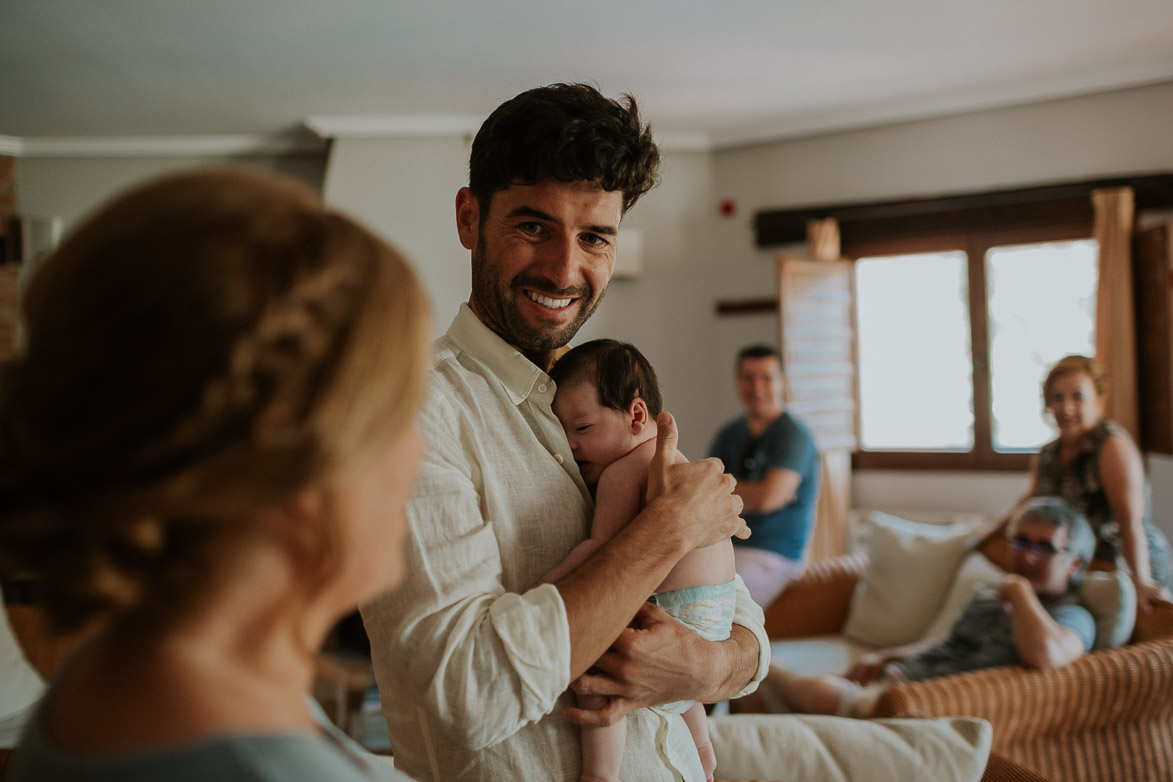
618 499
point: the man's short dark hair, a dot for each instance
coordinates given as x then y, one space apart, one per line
568 132
617 369
760 350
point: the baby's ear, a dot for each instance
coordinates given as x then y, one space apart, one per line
640 418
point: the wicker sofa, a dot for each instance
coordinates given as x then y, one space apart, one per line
1107 716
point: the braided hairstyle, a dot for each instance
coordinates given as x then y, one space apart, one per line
202 348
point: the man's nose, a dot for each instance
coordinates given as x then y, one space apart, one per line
559 263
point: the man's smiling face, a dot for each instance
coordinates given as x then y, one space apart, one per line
542 259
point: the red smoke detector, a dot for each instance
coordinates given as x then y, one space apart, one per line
728 207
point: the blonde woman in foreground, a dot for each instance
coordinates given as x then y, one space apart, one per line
207 447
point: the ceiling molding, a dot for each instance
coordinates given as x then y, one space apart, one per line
392 126
159 146
459 125
11 146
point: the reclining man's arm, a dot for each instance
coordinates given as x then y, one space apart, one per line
1041 641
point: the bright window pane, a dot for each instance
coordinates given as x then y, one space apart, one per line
1042 306
915 376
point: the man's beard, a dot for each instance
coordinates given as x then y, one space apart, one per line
493 297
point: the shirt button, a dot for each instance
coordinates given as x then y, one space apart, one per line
558 458
542 388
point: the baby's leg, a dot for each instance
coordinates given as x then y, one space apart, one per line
806 693
602 748
825 694
698 724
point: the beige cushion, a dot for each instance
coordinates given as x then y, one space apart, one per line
839 749
910 567
1111 600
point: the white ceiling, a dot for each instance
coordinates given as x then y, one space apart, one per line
720 73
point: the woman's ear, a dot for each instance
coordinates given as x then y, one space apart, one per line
640 418
293 524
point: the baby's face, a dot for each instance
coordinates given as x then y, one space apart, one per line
598 435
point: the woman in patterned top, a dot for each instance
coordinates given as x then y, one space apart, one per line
1096 466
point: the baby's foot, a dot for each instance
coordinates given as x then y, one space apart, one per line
708 759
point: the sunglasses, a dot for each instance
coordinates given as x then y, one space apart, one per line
1043 548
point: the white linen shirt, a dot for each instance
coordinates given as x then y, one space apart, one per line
471 659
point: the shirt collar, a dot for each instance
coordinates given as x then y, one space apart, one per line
516 373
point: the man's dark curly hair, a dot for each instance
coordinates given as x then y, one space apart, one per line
568 132
617 369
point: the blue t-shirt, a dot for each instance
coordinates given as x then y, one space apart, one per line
785 444
983 637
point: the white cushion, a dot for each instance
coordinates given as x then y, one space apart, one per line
975 572
1111 600
839 749
910 566
817 654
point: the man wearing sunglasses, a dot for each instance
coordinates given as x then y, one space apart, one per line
1033 618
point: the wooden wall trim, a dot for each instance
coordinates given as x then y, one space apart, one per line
1054 203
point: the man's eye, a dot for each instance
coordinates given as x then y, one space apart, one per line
593 240
532 228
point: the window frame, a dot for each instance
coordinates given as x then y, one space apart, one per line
974 242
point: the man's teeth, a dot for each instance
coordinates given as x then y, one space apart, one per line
546 301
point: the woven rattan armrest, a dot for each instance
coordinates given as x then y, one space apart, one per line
1100 691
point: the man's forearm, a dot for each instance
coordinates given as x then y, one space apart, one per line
731 665
1041 641
604 593
776 490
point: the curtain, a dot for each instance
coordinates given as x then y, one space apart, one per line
1115 316
816 335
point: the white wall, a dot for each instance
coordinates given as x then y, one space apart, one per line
405 189
72 186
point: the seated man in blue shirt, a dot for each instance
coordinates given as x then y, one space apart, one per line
773 458
1033 618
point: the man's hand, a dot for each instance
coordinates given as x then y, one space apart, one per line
867 669
653 662
697 497
1016 590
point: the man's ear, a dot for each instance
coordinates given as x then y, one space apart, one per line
468 218
640 418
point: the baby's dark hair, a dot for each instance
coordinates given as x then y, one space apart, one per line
619 372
